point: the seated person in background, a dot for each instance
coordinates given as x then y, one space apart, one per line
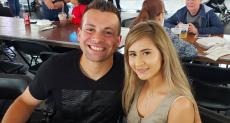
154 10
51 8
78 10
200 17
84 85
156 89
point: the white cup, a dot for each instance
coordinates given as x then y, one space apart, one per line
62 16
176 31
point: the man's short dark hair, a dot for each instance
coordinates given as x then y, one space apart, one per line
104 6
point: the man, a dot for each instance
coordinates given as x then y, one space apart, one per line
201 18
84 86
51 8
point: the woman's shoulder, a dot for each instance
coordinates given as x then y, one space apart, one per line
182 102
182 110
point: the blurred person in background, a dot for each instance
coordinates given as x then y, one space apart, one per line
200 17
51 8
78 10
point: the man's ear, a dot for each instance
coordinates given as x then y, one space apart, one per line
78 32
119 40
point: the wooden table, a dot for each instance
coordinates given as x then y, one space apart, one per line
201 56
15 29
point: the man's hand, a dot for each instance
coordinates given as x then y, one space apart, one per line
192 29
178 25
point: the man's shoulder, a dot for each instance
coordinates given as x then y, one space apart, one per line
66 55
61 59
182 10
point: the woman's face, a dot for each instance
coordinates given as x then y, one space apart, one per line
145 59
160 19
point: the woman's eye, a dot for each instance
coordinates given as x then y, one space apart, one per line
147 53
132 54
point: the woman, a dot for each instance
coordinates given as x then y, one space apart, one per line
156 89
154 10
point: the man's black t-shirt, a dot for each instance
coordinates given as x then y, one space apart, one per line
77 98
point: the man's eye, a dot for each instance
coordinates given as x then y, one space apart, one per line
108 33
89 30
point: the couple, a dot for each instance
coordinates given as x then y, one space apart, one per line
86 85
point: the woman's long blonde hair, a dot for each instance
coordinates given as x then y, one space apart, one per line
171 67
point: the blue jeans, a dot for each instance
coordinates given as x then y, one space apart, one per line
14 7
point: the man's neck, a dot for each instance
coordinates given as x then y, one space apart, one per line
95 70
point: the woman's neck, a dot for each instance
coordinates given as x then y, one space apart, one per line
157 82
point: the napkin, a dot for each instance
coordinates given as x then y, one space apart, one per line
208 42
43 23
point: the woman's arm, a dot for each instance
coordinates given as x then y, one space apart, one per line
182 111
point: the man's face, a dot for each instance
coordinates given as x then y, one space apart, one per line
193 5
98 35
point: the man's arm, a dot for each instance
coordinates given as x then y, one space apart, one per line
21 108
172 21
215 25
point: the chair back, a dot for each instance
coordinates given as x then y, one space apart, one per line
209 74
215 97
208 116
12 85
6 12
31 48
209 84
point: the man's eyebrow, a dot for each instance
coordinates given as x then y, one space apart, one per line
91 25
110 28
